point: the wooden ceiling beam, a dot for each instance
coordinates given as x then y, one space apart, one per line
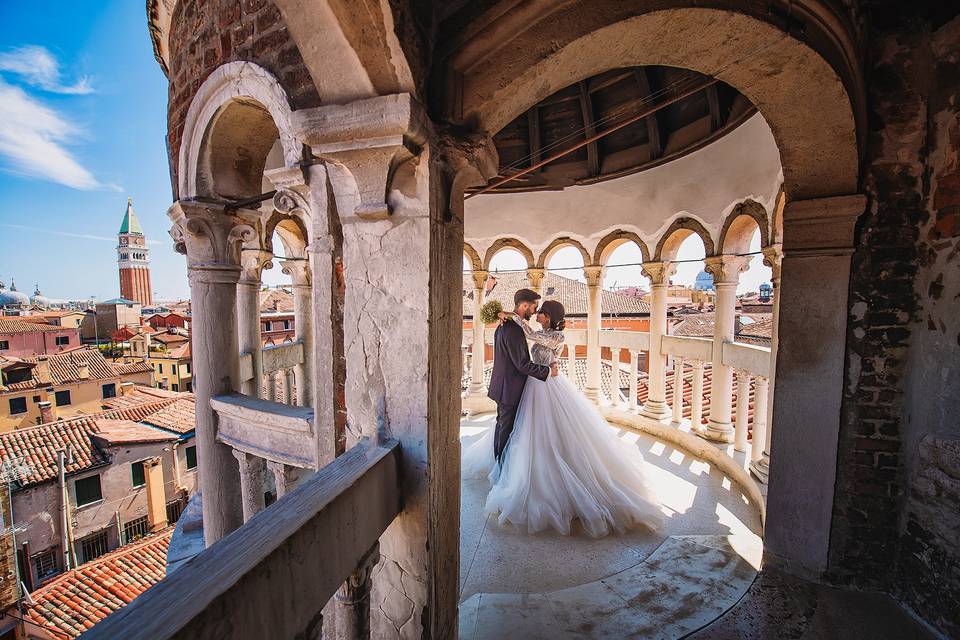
603 84
713 100
589 130
533 133
654 132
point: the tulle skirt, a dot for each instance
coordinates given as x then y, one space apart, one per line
563 463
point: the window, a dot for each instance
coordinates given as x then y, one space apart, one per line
191 453
137 474
88 490
93 546
4 345
188 367
46 563
36 399
174 509
286 325
175 386
159 368
135 529
109 390
62 340
63 397
17 406
173 368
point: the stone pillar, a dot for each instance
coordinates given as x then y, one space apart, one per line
211 237
743 405
726 272
284 477
760 432
594 276
696 395
656 405
760 467
252 261
251 483
634 375
478 349
353 600
299 272
402 255
817 245
677 390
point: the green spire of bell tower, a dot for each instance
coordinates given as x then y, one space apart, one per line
130 222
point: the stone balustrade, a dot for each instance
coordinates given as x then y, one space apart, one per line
322 535
278 366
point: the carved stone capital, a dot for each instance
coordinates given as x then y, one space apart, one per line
298 270
535 278
726 269
480 279
368 138
773 258
821 226
594 275
252 263
659 272
468 159
743 376
210 236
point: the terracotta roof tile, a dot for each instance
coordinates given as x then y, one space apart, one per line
65 367
124 368
76 601
572 294
14 324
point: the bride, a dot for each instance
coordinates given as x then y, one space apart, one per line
562 461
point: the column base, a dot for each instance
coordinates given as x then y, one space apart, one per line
761 469
477 403
593 395
717 431
656 410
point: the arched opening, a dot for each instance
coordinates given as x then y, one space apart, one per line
235 149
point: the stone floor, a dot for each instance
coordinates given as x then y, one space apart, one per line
663 584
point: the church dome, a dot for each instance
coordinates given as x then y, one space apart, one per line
704 282
13 298
38 299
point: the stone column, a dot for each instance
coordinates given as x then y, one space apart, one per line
353 600
677 390
656 405
760 467
726 272
299 272
252 261
284 477
594 276
402 330
743 404
634 375
211 237
760 431
478 349
696 395
251 483
817 245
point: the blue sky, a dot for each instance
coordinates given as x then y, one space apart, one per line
82 125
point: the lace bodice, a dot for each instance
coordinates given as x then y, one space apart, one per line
547 344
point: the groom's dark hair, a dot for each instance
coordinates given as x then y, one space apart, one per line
525 295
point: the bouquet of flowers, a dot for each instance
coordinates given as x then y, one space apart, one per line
489 313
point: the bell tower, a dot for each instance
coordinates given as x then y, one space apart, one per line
133 258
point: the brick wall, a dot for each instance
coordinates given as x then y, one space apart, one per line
898 476
208 33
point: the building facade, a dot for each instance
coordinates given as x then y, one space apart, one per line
133 259
21 337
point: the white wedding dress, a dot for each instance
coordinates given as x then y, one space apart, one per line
563 462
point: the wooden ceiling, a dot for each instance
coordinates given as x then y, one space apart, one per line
582 110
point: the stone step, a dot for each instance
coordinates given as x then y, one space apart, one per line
685 584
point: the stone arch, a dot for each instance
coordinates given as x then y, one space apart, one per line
610 242
508 243
738 228
476 264
812 99
234 120
559 243
292 232
676 233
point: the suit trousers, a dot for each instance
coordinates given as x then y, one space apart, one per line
506 416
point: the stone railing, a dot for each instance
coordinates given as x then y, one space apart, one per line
289 560
279 364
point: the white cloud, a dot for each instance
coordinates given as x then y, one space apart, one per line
32 138
37 67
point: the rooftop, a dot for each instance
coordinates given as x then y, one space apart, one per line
17 324
572 294
115 432
79 599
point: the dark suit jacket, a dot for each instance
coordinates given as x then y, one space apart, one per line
512 365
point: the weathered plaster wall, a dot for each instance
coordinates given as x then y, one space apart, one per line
705 185
898 473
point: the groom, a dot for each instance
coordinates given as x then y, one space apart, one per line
511 366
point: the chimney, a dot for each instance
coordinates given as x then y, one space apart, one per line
46 412
83 369
125 388
156 497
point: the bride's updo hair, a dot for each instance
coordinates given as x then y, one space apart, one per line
555 311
